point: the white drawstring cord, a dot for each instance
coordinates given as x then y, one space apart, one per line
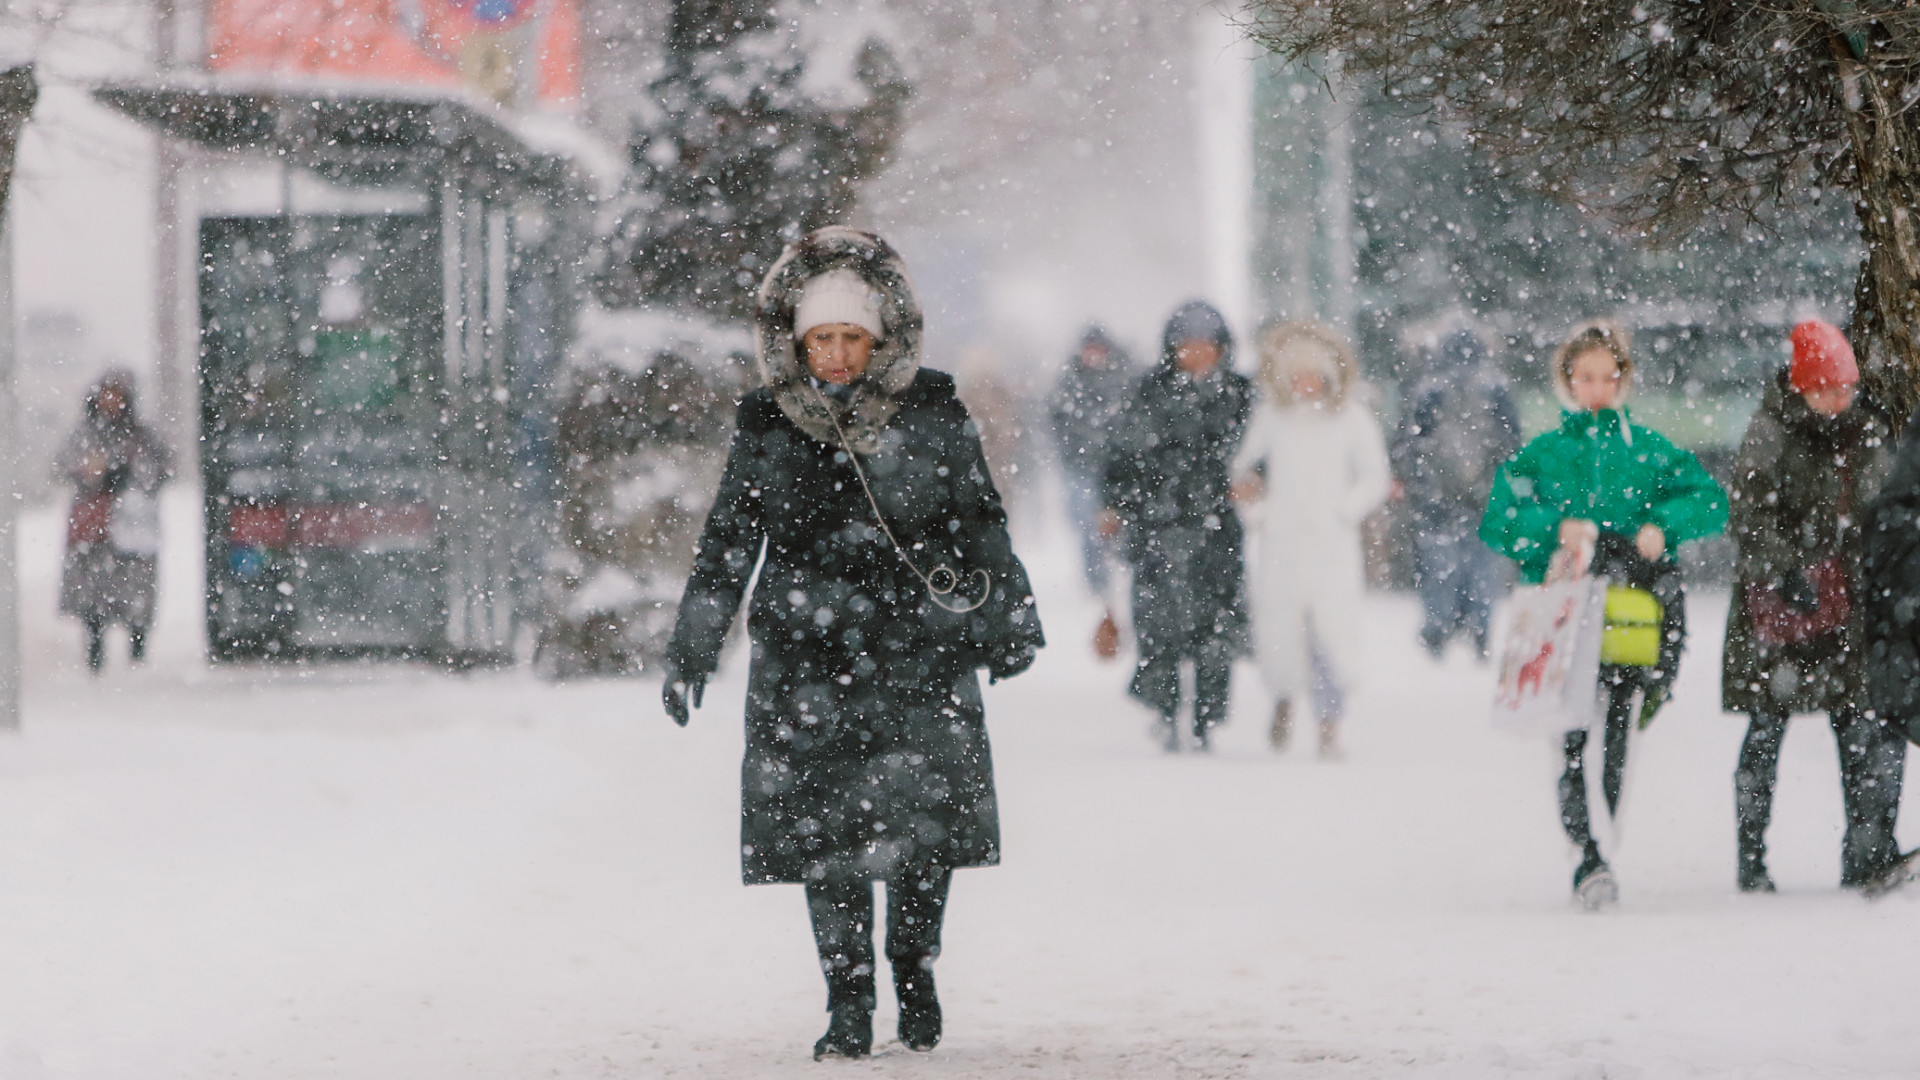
946 575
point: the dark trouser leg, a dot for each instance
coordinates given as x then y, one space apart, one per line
1753 781
1613 767
96 642
1872 766
842 912
1212 679
137 642
1156 680
1573 790
1482 569
916 908
1439 588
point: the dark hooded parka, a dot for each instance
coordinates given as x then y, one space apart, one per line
1800 486
866 750
1168 477
1890 607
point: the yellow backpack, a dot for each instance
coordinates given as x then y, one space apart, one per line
1631 636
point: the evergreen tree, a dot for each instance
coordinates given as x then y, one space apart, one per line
733 157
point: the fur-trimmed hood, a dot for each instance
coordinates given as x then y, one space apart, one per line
1304 344
1563 385
876 395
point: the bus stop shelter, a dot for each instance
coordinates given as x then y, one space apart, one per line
375 363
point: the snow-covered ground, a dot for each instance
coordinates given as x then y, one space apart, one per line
369 872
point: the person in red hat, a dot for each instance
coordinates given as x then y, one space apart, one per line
1816 451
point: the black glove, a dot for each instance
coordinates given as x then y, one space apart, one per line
1799 593
1010 663
675 693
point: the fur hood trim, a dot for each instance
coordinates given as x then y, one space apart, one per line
896 357
1562 382
1305 344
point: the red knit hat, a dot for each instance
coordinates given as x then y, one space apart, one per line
1821 357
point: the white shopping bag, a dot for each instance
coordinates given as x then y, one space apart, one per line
1550 661
134 527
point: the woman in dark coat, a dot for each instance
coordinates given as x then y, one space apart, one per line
1814 454
857 486
1168 484
116 466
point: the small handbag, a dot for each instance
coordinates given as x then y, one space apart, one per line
89 518
1106 637
1777 623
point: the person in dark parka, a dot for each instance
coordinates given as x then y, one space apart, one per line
1814 454
1090 393
866 751
1460 426
1168 484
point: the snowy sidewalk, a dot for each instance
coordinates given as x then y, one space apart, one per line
363 872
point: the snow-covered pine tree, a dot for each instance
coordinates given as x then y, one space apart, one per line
734 154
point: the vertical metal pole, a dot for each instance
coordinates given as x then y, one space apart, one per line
169 279
9 499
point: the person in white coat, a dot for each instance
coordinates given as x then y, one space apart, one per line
1313 465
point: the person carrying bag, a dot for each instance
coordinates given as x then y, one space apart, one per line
1602 495
1814 455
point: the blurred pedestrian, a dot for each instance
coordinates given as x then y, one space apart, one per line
1890 635
1459 426
1313 465
1083 408
857 489
1166 485
1604 495
116 466
1815 453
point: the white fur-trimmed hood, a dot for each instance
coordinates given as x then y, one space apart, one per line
896 359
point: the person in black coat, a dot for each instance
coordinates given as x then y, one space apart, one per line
1167 484
1890 622
857 486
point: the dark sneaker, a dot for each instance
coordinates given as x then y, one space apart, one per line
919 1008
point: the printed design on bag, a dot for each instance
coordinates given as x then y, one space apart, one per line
1543 669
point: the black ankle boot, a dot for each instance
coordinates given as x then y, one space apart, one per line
850 1029
919 1008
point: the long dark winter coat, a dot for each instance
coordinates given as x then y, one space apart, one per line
1796 473
867 747
1891 590
117 464
1168 477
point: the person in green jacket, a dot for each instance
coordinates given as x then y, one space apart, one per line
1604 495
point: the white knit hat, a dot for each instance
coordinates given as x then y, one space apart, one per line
838 296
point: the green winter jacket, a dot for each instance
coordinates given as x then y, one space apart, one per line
1601 467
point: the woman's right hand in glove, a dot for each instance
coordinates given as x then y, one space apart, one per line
677 692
